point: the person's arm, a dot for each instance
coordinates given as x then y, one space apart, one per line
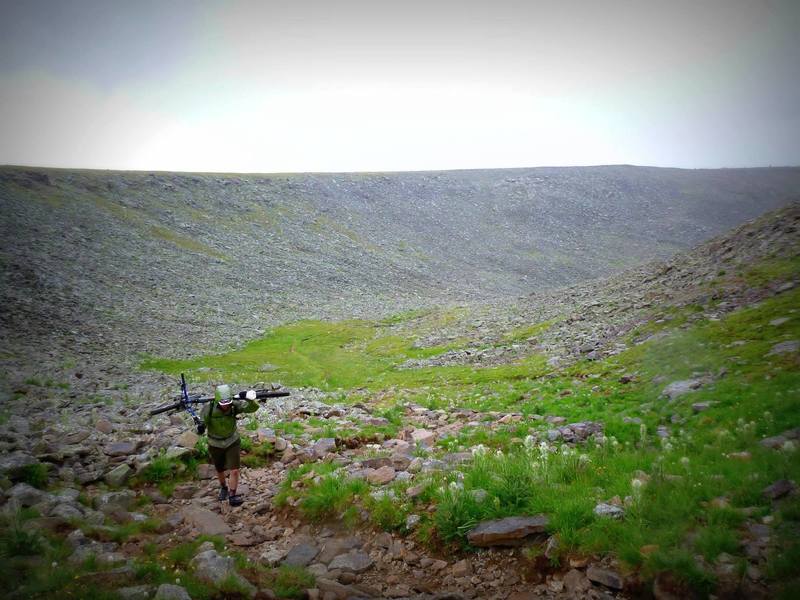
245 406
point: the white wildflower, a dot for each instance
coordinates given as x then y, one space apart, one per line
667 447
788 446
529 442
584 459
479 450
642 432
685 461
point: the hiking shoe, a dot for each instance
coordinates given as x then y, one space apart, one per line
223 494
236 500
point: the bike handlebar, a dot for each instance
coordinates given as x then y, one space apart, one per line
197 399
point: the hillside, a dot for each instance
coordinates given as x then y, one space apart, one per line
100 265
628 436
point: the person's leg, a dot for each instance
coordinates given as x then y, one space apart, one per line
218 458
234 480
232 462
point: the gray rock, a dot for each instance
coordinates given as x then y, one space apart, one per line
381 476
322 446
354 561
785 347
110 501
67 511
605 577
676 389
168 591
187 439
124 448
212 567
272 557
779 489
206 521
26 495
136 592
608 511
301 555
118 475
336 546
13 463
104 426
510 531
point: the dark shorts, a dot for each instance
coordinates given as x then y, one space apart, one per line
225 459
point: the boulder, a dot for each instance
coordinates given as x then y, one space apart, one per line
423 437
779 489
26 495
188 439
336 546
381 476
785 347
606 577
14 463
322 446
118 475
510 531
138 592
608 511
213 568
354 561
301 555
104 426
110 501
206 521
676 389
168 591
124 448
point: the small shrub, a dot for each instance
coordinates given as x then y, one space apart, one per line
331 496
201 447
386 514
160 469
19 540
291 582
35 475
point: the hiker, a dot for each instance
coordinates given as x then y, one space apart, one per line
224 446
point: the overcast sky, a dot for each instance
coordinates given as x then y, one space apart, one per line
402 85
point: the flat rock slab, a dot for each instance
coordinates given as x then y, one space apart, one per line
779 489
606 577
354 561
13 463
785 347
206 521
676 389
125 448
608 511
510 531
301 555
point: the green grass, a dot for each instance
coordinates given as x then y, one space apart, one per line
35 475
291 582
343 354
754 395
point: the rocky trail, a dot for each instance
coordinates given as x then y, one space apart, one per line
86 449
